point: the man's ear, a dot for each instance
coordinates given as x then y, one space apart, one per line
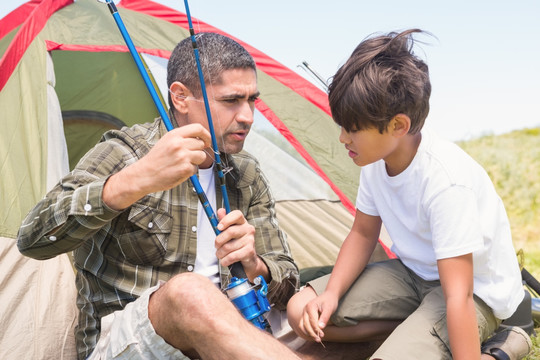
179 92
400 125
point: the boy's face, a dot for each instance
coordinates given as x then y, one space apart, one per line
368 146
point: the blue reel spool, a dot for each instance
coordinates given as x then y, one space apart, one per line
251 303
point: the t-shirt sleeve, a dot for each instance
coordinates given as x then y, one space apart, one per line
455 222
364 198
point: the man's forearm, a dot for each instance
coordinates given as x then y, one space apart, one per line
122 189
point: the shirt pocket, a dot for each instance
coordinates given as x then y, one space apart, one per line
145 236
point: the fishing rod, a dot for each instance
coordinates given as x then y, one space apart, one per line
236 269
251 303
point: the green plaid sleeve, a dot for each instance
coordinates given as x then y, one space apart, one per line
73 210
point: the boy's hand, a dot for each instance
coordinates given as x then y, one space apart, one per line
317 314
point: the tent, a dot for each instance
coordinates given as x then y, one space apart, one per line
66 76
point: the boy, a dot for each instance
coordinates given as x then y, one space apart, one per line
456 274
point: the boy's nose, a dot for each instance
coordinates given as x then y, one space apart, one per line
344 137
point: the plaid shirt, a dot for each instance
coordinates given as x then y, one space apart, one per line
119 254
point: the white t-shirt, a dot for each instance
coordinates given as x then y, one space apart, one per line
444 205
206 262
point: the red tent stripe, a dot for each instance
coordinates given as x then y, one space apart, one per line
32 25
51 45
264 63
274 119
16 17
34 14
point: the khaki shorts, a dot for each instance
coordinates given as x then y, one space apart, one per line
129 334
388 290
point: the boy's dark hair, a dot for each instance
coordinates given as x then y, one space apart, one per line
381 79
217 54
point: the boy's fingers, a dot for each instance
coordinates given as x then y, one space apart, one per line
324 317
311 317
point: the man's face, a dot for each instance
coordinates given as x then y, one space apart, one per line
232 102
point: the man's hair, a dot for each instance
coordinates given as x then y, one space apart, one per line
381 79
217 53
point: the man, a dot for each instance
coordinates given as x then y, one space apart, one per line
138 231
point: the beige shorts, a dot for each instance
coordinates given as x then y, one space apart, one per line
388 290
129 334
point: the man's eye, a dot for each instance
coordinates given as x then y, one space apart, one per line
253 98
230 101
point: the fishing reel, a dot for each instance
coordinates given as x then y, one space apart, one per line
253 304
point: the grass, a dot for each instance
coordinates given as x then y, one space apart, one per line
512 161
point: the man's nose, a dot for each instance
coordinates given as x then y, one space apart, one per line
245 113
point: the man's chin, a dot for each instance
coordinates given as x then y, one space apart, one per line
233 148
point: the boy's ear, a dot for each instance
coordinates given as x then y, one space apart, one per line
400 125
179 92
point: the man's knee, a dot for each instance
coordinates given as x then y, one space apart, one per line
194 295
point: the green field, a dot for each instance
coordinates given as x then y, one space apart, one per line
512 161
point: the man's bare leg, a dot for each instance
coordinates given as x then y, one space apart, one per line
192 315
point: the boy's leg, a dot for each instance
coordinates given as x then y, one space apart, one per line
424 334
381 297
368 330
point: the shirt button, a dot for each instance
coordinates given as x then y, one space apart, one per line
52 238
190 268
193 189
150 225
87 207
193 228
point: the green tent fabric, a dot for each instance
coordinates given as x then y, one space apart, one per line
95 74
65 64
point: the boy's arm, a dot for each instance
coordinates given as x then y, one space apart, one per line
456 275
354 253
352 259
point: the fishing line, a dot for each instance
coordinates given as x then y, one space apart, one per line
217 158
204 64
252 304
161 109
236 269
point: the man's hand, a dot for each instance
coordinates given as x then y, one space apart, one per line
172 160
236 243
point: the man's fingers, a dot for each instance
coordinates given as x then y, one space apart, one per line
226 220
195 131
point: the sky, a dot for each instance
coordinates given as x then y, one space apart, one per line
484 56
